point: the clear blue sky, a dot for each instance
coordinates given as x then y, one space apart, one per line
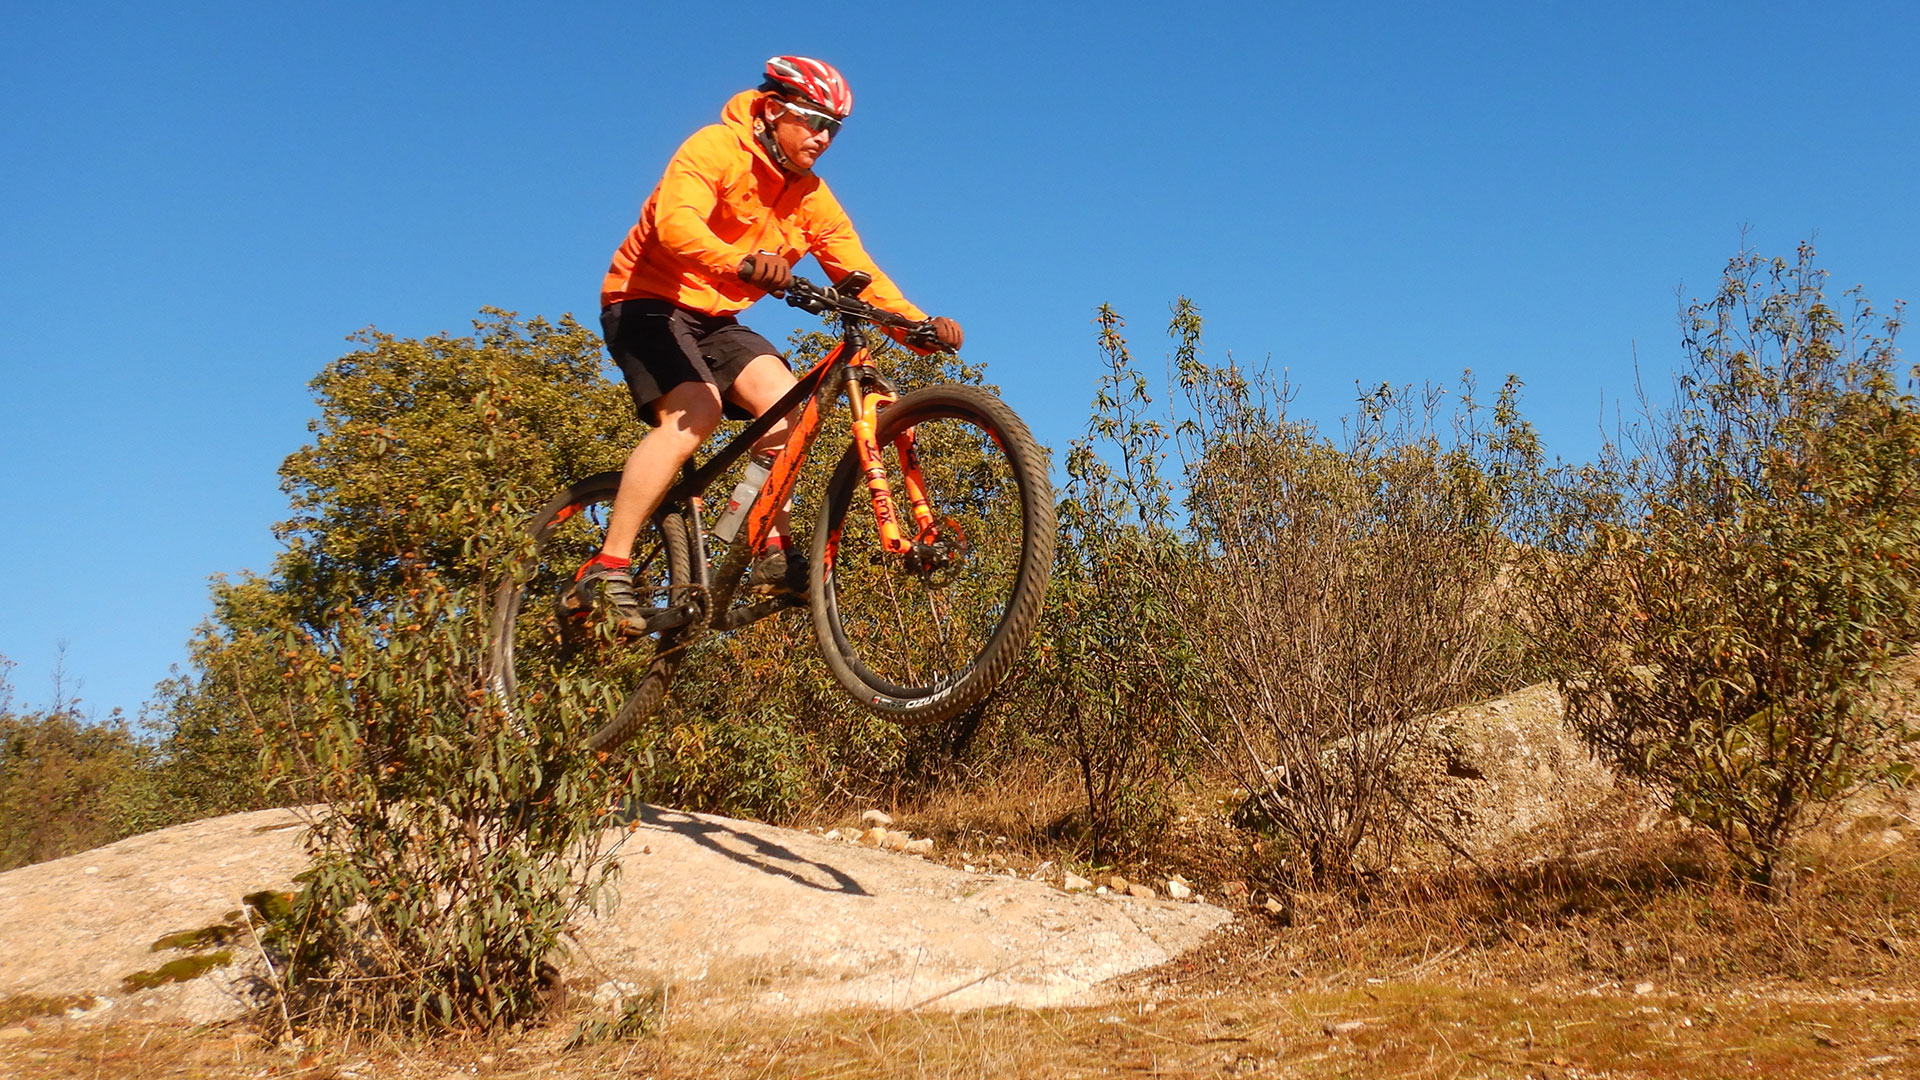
199 201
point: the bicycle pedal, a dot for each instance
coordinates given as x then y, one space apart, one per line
630 628
571 606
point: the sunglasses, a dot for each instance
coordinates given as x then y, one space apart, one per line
813 118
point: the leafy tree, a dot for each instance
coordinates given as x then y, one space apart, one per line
372 498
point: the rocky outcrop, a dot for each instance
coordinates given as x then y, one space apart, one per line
729 912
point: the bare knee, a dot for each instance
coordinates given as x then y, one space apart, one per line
688 414
759 387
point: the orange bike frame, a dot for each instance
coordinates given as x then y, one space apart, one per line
785 473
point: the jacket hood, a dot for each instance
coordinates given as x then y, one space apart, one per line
738 115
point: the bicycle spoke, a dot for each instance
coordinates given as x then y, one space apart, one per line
917 626
544 635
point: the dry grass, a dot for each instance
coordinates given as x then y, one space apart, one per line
1395 1029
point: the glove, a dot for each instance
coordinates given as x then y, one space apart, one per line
947 333
764 270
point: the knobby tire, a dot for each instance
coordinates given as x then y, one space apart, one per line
920 648
528 648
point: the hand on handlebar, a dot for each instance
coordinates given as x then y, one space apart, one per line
938 334
947 333
765 270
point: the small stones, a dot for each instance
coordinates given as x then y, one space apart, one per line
1235 890
1344 1027
878 835
1178 888
1642 989
1073 882
1273 906
1118 884
1141 892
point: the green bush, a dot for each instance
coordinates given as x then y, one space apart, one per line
460 837
1724 594
68 783
1113 663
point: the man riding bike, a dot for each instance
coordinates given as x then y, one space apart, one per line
737 207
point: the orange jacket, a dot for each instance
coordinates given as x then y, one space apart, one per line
722 199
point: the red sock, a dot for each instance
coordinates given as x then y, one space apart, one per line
602 559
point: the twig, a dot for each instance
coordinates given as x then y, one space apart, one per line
1529 1062
1447 838
273 976
1427 963
946 993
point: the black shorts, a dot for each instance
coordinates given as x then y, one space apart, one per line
659 345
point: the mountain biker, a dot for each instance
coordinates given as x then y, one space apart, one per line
737 207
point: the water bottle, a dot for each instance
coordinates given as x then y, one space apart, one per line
758 466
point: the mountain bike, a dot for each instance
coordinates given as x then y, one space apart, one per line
921 594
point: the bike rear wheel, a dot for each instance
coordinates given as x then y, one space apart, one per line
535 646
918 638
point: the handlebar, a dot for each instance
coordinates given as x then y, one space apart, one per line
844 299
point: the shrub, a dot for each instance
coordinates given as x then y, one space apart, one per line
1351 590
1725 592
1113 656
460 836
69 783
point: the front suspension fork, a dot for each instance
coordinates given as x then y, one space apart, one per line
866 423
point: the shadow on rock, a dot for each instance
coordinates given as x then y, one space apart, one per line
744 848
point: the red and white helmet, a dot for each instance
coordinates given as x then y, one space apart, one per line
815 82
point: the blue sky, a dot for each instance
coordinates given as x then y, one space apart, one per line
198 201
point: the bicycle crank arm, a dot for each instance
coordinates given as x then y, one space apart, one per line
665 619
751 613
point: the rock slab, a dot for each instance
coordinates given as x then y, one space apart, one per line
724 911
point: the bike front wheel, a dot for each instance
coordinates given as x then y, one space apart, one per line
539 646
920 636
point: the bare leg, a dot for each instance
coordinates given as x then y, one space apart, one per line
688 413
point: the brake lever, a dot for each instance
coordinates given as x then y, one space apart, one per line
922 335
